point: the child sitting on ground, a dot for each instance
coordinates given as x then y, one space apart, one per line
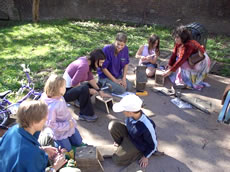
149 54
19 148
136 139
61 122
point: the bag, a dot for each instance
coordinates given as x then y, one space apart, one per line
195 58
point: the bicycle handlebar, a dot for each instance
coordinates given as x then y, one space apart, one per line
25 68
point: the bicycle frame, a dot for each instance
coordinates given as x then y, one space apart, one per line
7 108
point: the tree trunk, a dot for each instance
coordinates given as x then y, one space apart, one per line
35 10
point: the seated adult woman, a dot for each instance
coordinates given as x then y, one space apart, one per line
115 67
80 71
19 148
179 70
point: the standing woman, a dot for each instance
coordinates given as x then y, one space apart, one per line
180 71
80 71
149 54
115 67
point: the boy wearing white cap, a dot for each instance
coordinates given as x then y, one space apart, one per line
136 139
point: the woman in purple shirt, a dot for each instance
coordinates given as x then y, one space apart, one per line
115 67
79 71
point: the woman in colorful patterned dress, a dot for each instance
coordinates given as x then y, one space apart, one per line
179 70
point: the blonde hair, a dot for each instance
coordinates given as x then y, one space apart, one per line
53 85
30 112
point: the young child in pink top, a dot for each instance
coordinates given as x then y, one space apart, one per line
61 122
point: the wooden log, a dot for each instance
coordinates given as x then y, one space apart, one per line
197 102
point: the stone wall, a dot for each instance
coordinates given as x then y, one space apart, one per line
8 10
215 15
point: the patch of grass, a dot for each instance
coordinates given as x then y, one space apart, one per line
52 45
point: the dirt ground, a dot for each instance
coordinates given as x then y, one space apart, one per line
191 139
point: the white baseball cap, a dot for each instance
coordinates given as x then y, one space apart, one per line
130 103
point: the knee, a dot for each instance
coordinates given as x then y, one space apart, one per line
150 72
118 90
85 89
113 125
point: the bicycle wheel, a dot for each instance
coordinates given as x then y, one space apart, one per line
4 116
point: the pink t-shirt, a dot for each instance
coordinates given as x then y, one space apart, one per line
78 71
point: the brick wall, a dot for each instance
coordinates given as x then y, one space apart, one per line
211 13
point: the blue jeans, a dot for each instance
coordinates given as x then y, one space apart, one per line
116 88
74 140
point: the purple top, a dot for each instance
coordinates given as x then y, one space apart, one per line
79 71
114 64
58 117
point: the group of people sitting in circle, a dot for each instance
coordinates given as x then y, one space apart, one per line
28 145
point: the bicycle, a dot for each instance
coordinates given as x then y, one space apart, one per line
7 108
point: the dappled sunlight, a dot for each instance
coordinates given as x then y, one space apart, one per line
93 139
224 163
176 119
148 112
187 136
221 79
172 149
41 51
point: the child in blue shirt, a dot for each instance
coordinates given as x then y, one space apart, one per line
136 139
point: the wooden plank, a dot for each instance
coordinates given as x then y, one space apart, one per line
107 150
104 104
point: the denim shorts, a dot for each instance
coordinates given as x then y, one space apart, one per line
150 65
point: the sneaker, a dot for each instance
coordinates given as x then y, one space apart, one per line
87 118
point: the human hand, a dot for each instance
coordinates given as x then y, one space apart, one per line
124 84
144 162
51 151
104 95
144 59
118 81
92 91
59 161
149 57
167 73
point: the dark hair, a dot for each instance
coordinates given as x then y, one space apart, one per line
94 57
30 112
122 37
152 39
183 33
